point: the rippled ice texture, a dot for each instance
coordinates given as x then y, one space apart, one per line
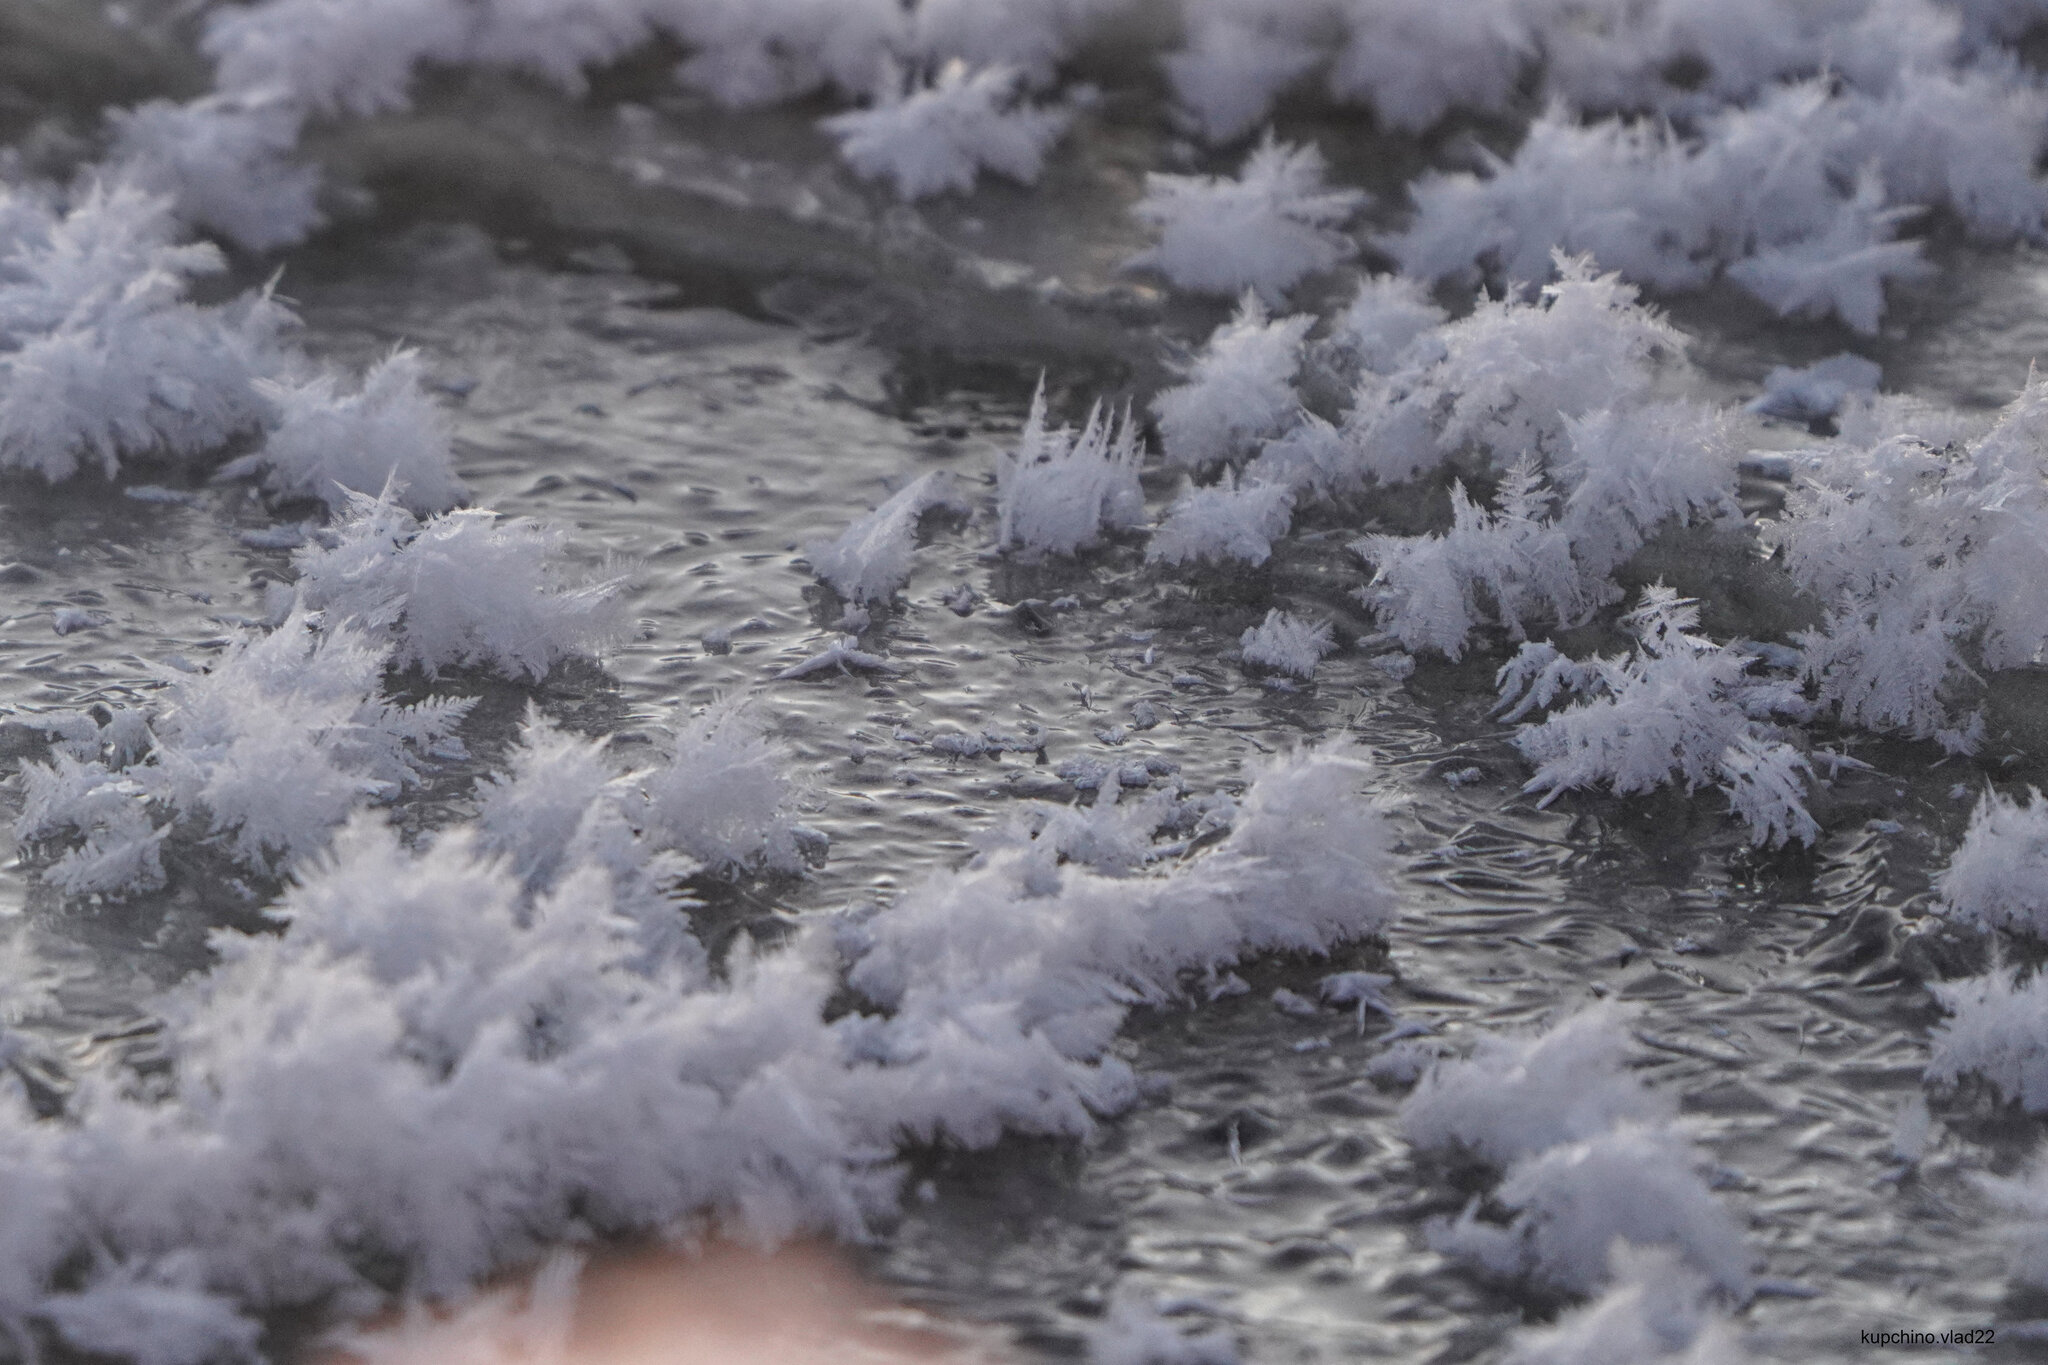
694 344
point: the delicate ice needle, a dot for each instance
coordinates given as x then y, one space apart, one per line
844 654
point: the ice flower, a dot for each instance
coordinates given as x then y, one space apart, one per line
464 589
1813 392
1059 490
288 733
328 445
1226 520
1388 315
1519 1095
1287 643
1841 270
1239 392
1514 563
1590 1156
103 359
722 796
1921 558
226 161
1657 1310
940 137
1264 230
1997 1032
1237 60
1572 1202
1414 61
1680 708
871 558
1998 877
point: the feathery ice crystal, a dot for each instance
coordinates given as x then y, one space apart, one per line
871 558
1506 382
273 747
463 589
1287 643
1433 591
327 445
1517 1096
1678 708
1240 390
1998 877
102 357
1997 1031
1228 519
939 137
1264 231
1658 1311
1386 317
1058 491
224 162
1590 1157
1922 557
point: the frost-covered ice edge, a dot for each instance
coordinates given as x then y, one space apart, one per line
413 1077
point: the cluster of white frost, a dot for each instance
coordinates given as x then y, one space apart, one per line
1226 520
105 361
1264 230
270 749
455 1055
463 589
1304 868
1387 316
1287 643
1059 490
1563 384
388 435
1998 877
1592 1161
1556 397
871 558
722 797
1433 591
103 358
1659 1311
1678 709
1997 1026
1922 548
1996 1032
1240 390
224 161
939 137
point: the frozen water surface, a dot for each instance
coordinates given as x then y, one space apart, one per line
690 340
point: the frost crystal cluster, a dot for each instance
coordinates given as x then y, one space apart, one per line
409 1074
1590 1160
1263 230
103 358
514 987
939 137
1058 491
